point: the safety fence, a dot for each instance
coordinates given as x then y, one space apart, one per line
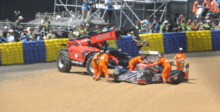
46 51
30 52
191 41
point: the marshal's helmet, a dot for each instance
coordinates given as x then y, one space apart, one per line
160 55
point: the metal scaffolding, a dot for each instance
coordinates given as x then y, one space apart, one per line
121 6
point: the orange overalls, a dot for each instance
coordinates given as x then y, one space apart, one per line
103 61
214 7
195 8
95 64
179 57
166 70
133 62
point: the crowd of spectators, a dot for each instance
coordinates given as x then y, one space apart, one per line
18 34
178 24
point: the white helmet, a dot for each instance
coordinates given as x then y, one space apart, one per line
102 51
160 55
107 51
180 49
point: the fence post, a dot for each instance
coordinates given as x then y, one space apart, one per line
100 15
45 13
78 12
62 13
9 24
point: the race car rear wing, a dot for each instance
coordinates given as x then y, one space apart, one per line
149 52
187 65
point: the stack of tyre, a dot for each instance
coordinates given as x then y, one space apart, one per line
143 37
182 40
5 54
126 43
41 52
18 56
48 50
168 42
215 40
189 41
207 40
27 52
112 43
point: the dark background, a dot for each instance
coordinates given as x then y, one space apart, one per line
28 9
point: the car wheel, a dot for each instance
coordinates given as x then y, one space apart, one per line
63 61
148 78
180 77
89 67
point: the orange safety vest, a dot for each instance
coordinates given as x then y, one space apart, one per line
209 4
204 3
195 8
214 7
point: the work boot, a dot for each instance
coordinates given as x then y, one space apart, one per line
94 76
107 80
97 79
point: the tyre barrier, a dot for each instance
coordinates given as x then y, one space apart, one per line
126 44
46 51
30 52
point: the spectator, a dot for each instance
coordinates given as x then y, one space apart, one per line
182 22
97 28
46 24
31 35
176 17
155 25
218 5
41 36
10 38
75 33
207 25
92 6
195 25
18 27
50 35
165 27
113 27
88 30
143 28
24 37
137 25
109 4
1 38
147 24
189 25
177 26
85 9
106 28
82 30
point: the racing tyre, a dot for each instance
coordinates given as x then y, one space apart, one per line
148 78
180 77
89 66
63 61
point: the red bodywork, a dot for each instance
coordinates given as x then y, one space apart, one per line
79 49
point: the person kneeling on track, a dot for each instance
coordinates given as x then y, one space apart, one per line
133 62
180 57
95 63
167 67
103 62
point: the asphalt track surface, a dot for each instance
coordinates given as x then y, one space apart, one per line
42 88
